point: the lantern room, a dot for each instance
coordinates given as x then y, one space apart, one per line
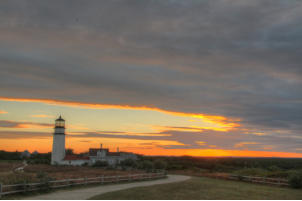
60 122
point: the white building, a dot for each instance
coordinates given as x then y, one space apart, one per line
58 156
58 146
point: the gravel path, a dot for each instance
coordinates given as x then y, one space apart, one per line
86 193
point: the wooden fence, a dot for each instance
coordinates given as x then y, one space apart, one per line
27 187
252 179
261 180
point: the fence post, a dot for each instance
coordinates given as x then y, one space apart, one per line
117 179
85 180
129 177
24 187
0 190
102 179
69 182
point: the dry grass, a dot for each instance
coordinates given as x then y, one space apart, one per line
7 166
8 176
202 188
200 173
62 172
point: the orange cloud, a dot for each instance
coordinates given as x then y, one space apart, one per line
222 123
18 124
242 144
32 126
201 143
3 112
41 116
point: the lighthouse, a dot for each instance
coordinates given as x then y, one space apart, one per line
58 146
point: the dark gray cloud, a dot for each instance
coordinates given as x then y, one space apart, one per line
235 58
24 135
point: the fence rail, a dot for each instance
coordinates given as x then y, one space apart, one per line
261 180
253 179
27 187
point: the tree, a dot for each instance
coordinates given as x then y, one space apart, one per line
160 164
147 165
128 163
295 180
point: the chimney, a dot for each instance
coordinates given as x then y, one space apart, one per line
117 150
101 146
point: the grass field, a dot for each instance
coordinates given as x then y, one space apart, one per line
8 176
199 188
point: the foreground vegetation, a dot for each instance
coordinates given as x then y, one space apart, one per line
200 188
42 172
286 168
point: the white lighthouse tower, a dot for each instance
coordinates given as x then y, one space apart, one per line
58 147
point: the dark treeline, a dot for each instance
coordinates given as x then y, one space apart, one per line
290 168
37 158
228 164
4 155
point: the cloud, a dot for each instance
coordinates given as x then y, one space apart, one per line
42 116
24 135
221 121
239 60
243 144
182 140
3 112
18 124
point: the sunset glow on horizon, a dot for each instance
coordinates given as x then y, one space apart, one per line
173 78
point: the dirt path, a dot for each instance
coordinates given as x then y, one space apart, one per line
21 168
86 193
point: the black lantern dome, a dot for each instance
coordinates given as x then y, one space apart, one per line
60 122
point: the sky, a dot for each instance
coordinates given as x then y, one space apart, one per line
173 77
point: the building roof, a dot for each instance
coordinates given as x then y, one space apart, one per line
75 157
60 118
93 152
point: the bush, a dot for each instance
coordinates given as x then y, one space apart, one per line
252 172
146 165
159 164
295 180
100 164
175 167
128 163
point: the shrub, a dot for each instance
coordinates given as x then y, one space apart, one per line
146 165
252 172
100 164
128 163
295 180
159 164
175 167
